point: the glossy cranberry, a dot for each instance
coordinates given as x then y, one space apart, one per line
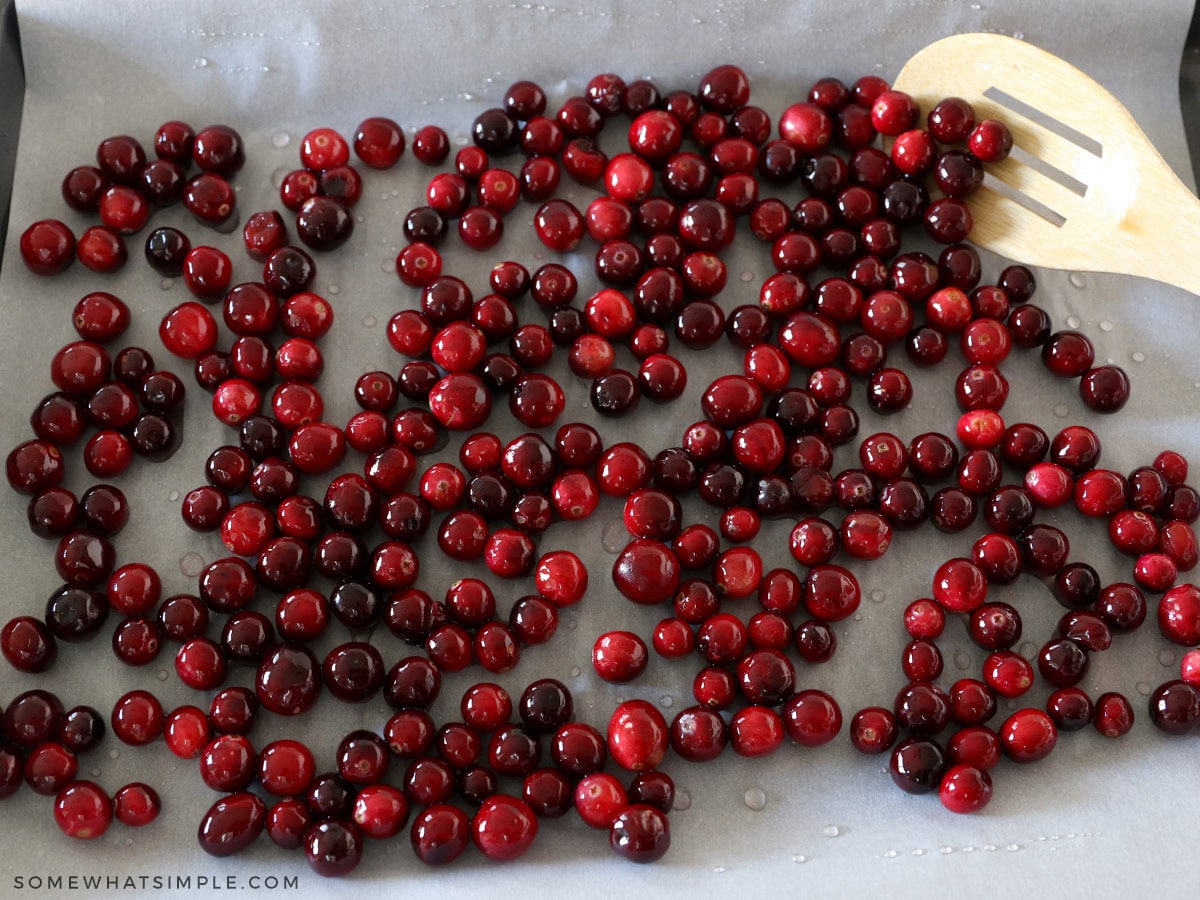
965 789
287 821
917 765
1028 735
1175 707
990 141
232 824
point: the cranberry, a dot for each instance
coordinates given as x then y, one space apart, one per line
232 824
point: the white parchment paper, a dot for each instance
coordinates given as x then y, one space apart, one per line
1097 818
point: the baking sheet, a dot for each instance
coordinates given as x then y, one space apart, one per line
1105 812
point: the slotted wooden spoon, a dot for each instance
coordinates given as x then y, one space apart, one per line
1084 188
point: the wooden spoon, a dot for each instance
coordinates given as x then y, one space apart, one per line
1084 188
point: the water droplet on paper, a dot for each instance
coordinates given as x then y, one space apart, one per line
1106 325
572 624
799 858
173 496
890 854
945 851
360 219
166 284
1013 848
858 617
666 700
989 847
1137 356
683 800
200 63
614 537
1028 649
961 660
1019 35
114 753
576 671
919 852
1073 322
278 175
968 849
747 275
388 265
976 6
831 831
369 322
128 842
191 564
718 869
877 596
1076 279
280 139
1144 689
162 675
333 289
1061 410
755 799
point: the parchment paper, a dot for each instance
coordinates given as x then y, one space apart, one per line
1097 818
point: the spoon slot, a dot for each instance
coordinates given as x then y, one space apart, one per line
1054 173
1022 199
1051 124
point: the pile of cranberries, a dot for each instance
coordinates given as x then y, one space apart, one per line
327 521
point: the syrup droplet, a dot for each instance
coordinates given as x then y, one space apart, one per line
614 537
162 675
799 858
1073 321
575 671
280 139
890 854
945 851
333 289
95 773
747 275
1106 325
666 700
1138 356
1061 410
918 852
962 660
191 564
1144 689
388 265
369 322
968 849
1013 848
877 596
173 496
1077 279
831 831
718 869
989 847
166 284
114 753
683 800
1028 649
200 63
755 799
572 624
1166 658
